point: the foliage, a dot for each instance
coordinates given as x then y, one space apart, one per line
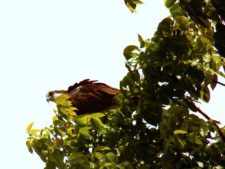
132 4
157 123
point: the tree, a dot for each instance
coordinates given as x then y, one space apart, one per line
164 127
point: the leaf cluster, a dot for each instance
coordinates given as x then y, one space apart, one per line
72 141
202 12
206 14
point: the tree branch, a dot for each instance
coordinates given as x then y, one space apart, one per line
223 84
208 118
214 122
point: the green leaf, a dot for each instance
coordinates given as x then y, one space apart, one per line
181 142
99 125
180 132
205 41
107 165
97 115
82 119
102 148
141 41
65 107
99 155
129 51
84 131
169 3
29 146
183 22
125 165
195 139
50 165
164 28
62 99
34 131
205 94
176 10
29 127
131 4
71 131
217 62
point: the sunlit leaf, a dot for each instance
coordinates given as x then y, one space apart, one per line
102 148
63 99
99 125
71 131
97 115
84 131
83 119
29 127
54 119
34 131
169 3
180 132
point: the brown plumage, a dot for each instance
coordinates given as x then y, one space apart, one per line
88 96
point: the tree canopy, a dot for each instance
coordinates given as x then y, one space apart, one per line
164 126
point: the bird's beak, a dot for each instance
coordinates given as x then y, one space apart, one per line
47 98
52 94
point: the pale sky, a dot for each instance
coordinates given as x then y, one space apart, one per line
50 44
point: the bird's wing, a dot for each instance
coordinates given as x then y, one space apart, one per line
91 89
105 89
81 83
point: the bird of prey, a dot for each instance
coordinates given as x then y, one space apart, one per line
88 96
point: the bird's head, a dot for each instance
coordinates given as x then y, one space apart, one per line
50 96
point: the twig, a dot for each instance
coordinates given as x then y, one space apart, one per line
204 115
208 118
223 84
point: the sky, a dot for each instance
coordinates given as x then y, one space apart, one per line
51 44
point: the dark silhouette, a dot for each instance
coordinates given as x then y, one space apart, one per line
88 96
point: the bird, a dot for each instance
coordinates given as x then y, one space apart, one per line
88 96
